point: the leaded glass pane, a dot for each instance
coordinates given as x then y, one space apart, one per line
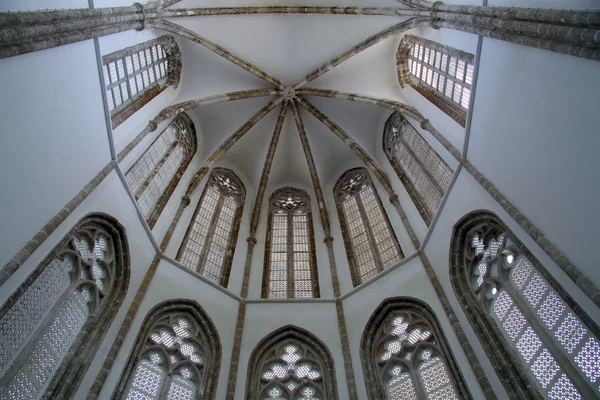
360 243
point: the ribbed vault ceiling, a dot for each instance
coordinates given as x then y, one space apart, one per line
287 48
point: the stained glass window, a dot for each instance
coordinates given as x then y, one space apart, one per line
153 177
210 240
370 241
176 356
555 342
422 171
45 318
407 355
291 364
442 74
290 270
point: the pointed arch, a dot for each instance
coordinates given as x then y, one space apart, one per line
370 242
177 353
137 74
442 74
290 260
155 175
209 243
537 336
308 359
423 173
404 353
53 324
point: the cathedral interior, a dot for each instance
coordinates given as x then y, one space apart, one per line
334 200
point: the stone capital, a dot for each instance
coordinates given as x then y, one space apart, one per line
251 240
328 240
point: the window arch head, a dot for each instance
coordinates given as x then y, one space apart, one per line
422 171
291 364
539 338
368 236
177 355
405 354
209 244
155 175
442 74
52 326
290 260
135 75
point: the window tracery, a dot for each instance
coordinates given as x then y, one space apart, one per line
423 173
176 357
154 176
63 308
370 242
209 243
538 329
291 364
135 75
290 268
405 354
442 74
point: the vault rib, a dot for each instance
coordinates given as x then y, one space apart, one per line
371 41
215 48
204 11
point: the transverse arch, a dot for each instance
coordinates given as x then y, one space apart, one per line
291 363
405 354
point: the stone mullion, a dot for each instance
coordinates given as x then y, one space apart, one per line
209 236
185 201
157 167
239 327
290 256
369 231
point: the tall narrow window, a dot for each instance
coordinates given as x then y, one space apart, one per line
290 264
370 241
540 339
442 74
423 173
51 327
154 176
405 352
291 364
135 75
210 240
177 355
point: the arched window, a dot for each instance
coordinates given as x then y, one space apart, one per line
423 173
154 176
137 74
51 327
405 354
291 364
177 355
540 339
290 263
442 74
210 240
370 241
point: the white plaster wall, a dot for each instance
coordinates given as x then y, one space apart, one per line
534 136
54 137
171 282
408 280
318 318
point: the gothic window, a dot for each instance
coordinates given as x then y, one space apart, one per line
290 267
210 240
51 327
135 75
423 173
440 73
177 356
406 356
370 241
540 338
154 176
291 364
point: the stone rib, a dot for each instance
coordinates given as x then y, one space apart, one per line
215 48
194 12
373 40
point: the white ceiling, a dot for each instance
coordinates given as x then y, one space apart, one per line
288 47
